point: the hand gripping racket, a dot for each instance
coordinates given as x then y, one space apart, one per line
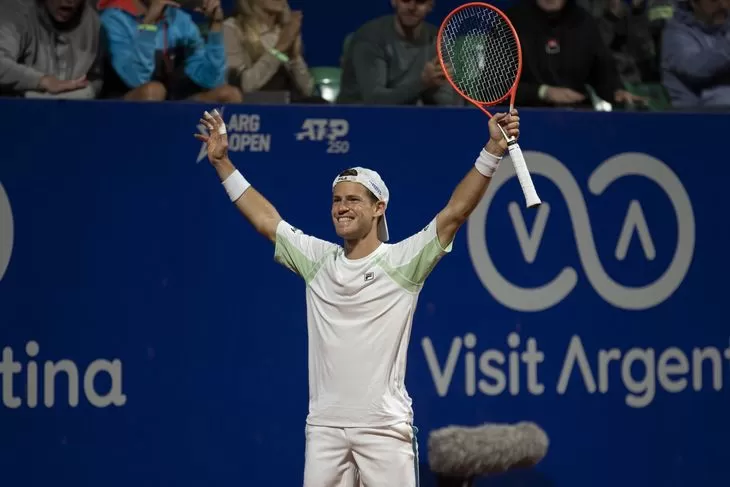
481 56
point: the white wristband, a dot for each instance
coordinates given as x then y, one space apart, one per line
235 185
487 163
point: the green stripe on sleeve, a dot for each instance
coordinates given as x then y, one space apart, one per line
395 274
412 275
287 254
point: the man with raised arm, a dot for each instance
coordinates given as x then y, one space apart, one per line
361 296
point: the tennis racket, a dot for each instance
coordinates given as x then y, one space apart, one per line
481 57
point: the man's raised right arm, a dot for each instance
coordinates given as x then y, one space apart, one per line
252 204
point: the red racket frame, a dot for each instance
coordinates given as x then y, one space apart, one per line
513 90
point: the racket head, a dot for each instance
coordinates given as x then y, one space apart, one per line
464 36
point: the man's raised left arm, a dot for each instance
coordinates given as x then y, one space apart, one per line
471 189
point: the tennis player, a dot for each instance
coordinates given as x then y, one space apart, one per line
361 297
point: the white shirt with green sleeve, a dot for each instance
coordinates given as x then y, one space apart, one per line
359 318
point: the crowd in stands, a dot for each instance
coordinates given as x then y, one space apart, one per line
624 52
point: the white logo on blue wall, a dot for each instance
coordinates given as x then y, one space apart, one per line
6 231
32 382
548 295
332 131
245 134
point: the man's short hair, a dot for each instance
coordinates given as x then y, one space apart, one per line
353 172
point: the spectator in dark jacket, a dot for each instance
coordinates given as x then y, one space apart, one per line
625 29
562 52
391 60
696 54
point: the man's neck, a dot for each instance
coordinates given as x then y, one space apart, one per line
409 33
357 249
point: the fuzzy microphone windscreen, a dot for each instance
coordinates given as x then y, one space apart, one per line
487 449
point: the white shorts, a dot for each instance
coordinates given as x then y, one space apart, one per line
361 457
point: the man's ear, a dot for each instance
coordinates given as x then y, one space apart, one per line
380 208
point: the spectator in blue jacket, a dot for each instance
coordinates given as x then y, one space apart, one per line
156 52
696 54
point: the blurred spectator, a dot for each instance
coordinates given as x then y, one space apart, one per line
624 27
658 12
49 48
264 50
563 52
696 54
392 60
156 52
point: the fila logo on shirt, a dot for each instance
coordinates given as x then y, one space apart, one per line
6 231
552 46
369 276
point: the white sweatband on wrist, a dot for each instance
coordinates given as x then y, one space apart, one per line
235 185
487 163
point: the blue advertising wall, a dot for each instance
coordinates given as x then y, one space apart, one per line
148 338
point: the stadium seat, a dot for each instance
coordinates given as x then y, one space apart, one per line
327 81
654 92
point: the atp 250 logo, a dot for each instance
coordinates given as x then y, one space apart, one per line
333 131
6 231
551 293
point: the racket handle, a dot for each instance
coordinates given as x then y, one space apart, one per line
523 174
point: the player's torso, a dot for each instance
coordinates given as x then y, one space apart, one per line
358 321
357 291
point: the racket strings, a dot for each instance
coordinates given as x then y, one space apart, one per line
480 53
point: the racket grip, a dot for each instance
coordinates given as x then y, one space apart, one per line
523 174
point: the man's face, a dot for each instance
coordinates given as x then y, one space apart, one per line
712 12
63 10
411 13
551 5
353 210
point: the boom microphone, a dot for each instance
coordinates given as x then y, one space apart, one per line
468 452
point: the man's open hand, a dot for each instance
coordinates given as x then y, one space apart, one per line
216 139
432 75
53 85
